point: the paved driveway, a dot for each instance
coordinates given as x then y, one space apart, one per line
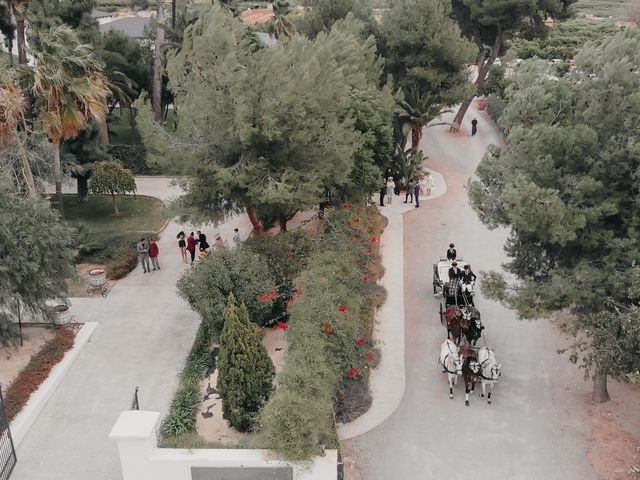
533 430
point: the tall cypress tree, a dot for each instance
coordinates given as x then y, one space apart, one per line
245 378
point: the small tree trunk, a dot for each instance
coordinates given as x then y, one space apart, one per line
416 135
173 14
104 130
116 212
10 45
26 169
255 222
600 391
22 52
57 175
157 64
83 189
282 220
462 111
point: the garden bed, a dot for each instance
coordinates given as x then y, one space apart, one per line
324 287
37 369
15 357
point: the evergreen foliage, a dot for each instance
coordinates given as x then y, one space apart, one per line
245 371
567 187
321 15
239 272
281 134
37 259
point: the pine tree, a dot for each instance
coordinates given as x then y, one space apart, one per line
245 378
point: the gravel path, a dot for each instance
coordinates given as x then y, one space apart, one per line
533 430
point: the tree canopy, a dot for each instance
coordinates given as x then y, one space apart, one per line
320 15
279 127
37 258
489 23
110 177
567 186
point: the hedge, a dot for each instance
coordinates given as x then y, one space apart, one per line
327 337
134 157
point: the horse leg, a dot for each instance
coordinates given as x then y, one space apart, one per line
466 394
451 383
473 385
484 390
489 396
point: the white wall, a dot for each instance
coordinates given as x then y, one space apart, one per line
141 459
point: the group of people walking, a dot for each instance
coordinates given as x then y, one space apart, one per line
421 184
148 250
191 245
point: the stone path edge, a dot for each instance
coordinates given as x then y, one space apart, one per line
24 420
387 381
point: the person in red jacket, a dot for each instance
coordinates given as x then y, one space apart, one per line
154 251
191 246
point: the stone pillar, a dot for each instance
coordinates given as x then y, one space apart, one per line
135 432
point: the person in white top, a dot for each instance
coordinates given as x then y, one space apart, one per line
391 186
428 183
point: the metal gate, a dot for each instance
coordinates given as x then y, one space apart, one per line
7 450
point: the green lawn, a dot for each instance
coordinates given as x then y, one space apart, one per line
120 130
104 239
140 214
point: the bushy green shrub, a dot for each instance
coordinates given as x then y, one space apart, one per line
326 336
245 370
239 271
122 266
134 157
495 107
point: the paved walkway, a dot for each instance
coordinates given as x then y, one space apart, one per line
387 380
144 335
536 427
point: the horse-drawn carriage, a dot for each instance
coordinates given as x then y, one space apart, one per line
449 291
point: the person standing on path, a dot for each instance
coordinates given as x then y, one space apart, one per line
428 183
416 193
219 243
182 245
396 182
474 127
391 186
143 253
383 192
409 194
191 246
236 237
154 251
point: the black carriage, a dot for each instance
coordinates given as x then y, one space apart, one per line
448 291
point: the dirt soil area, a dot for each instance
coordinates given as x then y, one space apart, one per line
615 436
14 358
213 428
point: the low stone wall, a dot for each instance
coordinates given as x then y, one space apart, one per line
141 459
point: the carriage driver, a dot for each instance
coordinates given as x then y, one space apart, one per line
451 253
468 279
454 272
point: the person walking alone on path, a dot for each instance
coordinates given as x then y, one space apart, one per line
391 186
383 192
191 247
474 127
143 253
236 237
154 251
182 245
428 183
416 193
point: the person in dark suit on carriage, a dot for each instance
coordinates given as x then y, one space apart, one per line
455 273
468 279
451 253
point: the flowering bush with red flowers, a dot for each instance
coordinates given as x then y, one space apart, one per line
327 343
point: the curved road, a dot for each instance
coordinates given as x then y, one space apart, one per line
535 428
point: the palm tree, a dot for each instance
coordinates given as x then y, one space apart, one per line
416 110
7 28
68 77
19 9
12 108
279 24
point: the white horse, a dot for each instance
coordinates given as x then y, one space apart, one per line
489 370
450 361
